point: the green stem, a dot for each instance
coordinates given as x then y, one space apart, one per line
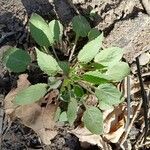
73 49
46 50
55 53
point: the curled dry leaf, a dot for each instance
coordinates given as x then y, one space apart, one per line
85 135
114 123
22 83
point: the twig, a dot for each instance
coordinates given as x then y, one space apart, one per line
82 84
144 97
128 103
73 49
125 135
5 36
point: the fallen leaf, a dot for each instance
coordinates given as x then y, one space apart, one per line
114 123
44 124
85 135
22 83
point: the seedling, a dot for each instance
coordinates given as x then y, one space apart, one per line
94 71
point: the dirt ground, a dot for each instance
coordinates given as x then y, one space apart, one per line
125 24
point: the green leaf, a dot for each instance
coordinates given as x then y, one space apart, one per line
78 91
31 94
89 51
109 56
63 117
72 111
95 77
47 63
104 106
93 120
16 59
118 71
94 33
108 93
64 66
57 114
40 31
80 26
56 29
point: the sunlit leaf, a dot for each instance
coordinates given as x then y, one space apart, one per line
93 120
47 63
31 94
89 51
40 30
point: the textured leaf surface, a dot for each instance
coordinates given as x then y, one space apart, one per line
56 30
63 117
31 94
108 93
80 26
89 51
72 111
118 71
16 59
47 63
78 91
40 31
95 77
93 120
109 56
94 33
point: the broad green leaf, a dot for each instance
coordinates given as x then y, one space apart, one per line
57 114
93 120
118 71
72 111
89 51
94 33
63 117
80 26
109 56
108 93
95 77
16 59
31 94
56 29
78 91
47 63
64 66
104 106
40 31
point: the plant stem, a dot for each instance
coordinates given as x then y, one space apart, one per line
55 53
73 49
46 50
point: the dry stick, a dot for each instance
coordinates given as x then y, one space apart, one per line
128 103
131 123
73 49
144 97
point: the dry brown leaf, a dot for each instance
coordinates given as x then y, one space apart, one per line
22 83
85 135
28 113
114 123
43 123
